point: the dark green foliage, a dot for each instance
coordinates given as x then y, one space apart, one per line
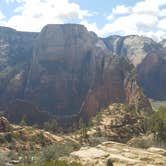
157 124
2 139
51 126
40 139
23 122
1 113
9 137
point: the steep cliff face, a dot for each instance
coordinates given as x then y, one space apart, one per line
134 47
66 70
67 62
111 87
148 57
72 71
152 75
15 57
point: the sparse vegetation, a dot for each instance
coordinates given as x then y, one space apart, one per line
53 163
83 129
157 124
51 126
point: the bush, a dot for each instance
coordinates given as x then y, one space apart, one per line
51 126
157 124
57 150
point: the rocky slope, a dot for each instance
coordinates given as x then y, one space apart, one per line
23 144
117 122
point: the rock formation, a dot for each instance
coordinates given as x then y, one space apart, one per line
67 70
66 63
148 56
72 71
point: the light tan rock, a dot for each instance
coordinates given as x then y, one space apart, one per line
120 154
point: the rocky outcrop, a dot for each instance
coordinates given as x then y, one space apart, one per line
135 96
119 154
4 125
117 122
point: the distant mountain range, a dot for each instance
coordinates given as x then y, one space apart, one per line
66 70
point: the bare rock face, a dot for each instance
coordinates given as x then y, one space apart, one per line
148 57
67 70
67 63
111 88
134 47
151 75
72 71
15 57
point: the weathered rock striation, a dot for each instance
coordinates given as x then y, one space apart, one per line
67 70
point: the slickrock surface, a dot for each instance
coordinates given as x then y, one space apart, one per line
120 154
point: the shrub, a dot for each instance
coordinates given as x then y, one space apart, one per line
157 124
51 126
57 150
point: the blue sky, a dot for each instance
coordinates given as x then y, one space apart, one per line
104 17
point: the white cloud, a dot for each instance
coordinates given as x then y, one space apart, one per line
1 15
162 13
32 15
162 24
121 9
146 17
92 27
149 7
118 10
